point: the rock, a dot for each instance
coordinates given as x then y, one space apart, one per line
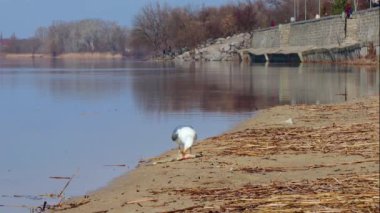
216 57
220 40
186 56
225 48
220 49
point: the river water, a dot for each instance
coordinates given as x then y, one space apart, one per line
60 118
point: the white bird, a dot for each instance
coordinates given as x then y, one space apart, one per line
289 121
184 136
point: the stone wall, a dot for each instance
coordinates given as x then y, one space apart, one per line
266 38
368 25
319 32
325 32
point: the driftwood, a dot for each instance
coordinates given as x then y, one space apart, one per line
60 194
117 165
59 177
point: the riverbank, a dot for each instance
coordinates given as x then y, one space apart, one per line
330 39
325 158
71 56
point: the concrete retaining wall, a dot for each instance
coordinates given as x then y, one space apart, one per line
266 38
319 32
329 39
368 25
327 31
332 54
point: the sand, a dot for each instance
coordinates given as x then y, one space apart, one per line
326 158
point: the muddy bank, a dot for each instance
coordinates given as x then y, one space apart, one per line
293 158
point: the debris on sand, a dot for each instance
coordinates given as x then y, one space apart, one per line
357 193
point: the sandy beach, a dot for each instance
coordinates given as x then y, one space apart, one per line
319 158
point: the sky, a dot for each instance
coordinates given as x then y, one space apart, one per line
23 17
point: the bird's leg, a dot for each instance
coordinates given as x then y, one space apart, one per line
180 153
185 156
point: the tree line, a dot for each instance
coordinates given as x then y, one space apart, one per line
90 35
159 28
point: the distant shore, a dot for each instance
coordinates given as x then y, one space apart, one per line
63 56
294 158
112 56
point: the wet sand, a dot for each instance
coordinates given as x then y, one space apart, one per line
326 158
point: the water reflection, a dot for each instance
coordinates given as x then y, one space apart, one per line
232 87
94 87
181 87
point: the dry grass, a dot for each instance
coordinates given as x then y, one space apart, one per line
357 139
349 193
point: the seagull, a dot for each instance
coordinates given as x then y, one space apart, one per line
184 136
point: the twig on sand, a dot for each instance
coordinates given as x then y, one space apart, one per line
140 201
101 211
66 185
184 209
61 207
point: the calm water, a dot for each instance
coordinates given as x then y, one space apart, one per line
60 118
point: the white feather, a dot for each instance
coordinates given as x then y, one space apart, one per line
289 121
185 137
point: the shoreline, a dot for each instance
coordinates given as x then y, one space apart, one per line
111 56
325 144
69 56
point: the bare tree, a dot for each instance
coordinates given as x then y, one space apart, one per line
90 35
151 26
